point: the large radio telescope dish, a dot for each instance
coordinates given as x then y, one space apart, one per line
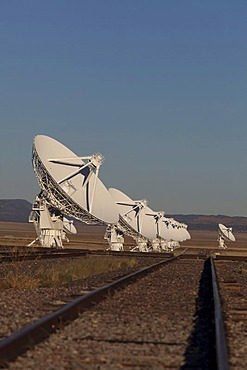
179 230
71 184
226 233
133 219
169 229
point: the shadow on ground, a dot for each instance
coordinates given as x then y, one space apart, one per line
200 352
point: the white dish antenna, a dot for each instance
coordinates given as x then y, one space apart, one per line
179 231
133 219
69 226
187 234
170 233
71 183
168 229
226 233
162 230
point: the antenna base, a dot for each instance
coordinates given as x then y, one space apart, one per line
115 238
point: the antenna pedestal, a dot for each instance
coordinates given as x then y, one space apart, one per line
115 238
49 228
156 245
142 245
164 245
221 242
171 245
225 233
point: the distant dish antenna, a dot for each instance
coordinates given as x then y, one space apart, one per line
172 235
225 233
133 220
168 232
71 184
68 226
179 231
156 219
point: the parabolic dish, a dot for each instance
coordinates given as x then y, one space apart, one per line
187 234
133 215
169 230
161 229
69 226
226 232
177 231
74 190
165 232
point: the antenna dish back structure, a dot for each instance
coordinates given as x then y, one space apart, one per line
225 233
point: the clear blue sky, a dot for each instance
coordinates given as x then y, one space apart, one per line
158 87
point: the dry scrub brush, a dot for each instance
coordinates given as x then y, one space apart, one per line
33 274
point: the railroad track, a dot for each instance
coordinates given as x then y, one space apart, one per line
150 324
132 254
12 256
22 253
232 276
225 257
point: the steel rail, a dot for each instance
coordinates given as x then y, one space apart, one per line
223 257
29 256
132 254
38 256
19 342
220 337
193 256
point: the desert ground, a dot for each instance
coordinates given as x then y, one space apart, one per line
21 234
92 237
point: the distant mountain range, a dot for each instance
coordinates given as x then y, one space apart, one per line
14 210
17 210
210 222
